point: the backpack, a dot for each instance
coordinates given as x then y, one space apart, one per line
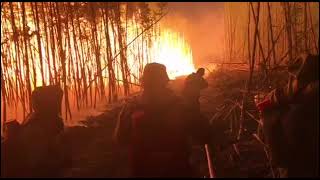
159 142
30 150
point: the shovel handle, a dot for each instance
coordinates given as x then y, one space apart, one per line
210 166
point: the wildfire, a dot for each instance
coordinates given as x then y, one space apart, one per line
166 47
173 51
170 49
37 54
37 50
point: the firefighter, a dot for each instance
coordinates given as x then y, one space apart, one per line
157 129
291 119
36 145
194 83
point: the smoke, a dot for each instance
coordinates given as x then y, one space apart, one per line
202 25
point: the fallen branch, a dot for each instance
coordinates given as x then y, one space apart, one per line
250 115
230 111
259 140
129 82
236 149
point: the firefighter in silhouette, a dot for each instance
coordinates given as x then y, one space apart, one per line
194 83
156 127
291 119
36 144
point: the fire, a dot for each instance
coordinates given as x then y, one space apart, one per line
167 47
170 49
157 44
174 52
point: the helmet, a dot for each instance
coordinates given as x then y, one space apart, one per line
201 71
47 99
154 74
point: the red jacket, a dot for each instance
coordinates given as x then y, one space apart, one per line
159 142
157 131
159 139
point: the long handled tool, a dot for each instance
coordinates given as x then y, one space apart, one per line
210 166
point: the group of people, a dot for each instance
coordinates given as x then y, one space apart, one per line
35 148
160 127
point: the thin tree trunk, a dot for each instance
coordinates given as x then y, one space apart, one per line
243 107
287 14
53 44
312 30
249 48
83 70
256 20
18 81
37 22
26 60
111 74
306 48
271 34
3 99
63 63
47 41
97 50
77 60
123 59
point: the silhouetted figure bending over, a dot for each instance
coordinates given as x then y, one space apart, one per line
194 83
156 129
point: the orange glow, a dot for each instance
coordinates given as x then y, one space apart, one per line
173 51
170 49
158 44
167 47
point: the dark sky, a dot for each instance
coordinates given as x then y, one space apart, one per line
202 24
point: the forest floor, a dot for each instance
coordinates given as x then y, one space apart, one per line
93 154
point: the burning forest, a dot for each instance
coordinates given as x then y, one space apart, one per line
167 89
92 50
